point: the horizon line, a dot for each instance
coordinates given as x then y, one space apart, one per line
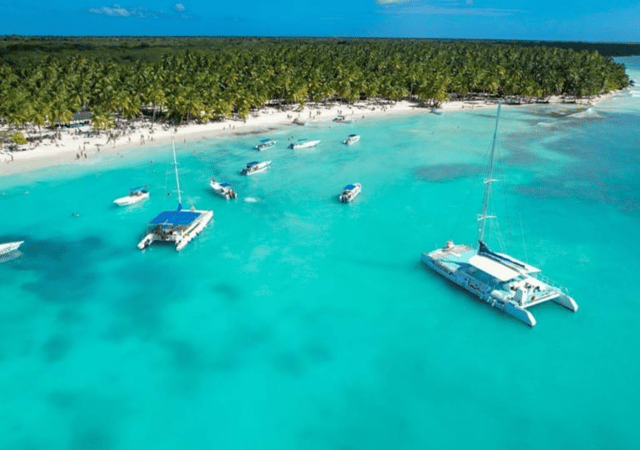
107 36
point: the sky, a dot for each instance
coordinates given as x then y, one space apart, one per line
585 20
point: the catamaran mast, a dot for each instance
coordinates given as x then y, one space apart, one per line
488 180
175 168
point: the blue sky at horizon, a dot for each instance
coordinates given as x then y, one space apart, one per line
587 20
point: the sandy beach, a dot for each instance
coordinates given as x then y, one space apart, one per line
78 144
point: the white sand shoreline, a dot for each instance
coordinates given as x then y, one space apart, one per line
74 148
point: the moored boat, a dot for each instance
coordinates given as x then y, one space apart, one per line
496 278
265 144
223 189
352 139
341 119
350 192
9 247
136 195
304 143
179 227
254 167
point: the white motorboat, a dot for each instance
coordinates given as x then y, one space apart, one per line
9 247
352 139
265 144
223 189
179 227
254 167
136 195
341 119
350 192
496 278
303 143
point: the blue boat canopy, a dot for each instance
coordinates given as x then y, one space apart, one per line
252 163
135 188
176 218
348 187
266 140
225 184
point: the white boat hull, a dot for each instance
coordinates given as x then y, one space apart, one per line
266 146
302 145
351 140
9 247
259 168
131 199
222 191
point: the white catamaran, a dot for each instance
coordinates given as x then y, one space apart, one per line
176 226
500 280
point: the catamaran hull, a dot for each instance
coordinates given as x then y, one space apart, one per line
192 233
469 285
567 302
146 241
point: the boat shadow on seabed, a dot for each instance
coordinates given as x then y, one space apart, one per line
10 256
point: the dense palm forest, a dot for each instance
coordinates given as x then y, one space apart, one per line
44 84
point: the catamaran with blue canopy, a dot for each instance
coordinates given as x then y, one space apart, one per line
179 226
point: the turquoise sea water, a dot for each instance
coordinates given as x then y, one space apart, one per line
296 322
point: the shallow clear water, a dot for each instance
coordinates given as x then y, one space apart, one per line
295 321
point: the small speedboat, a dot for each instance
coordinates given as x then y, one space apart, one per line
9 247
341 119
135 195
350 192
265 144
304 143
223 189
254 167
352 139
